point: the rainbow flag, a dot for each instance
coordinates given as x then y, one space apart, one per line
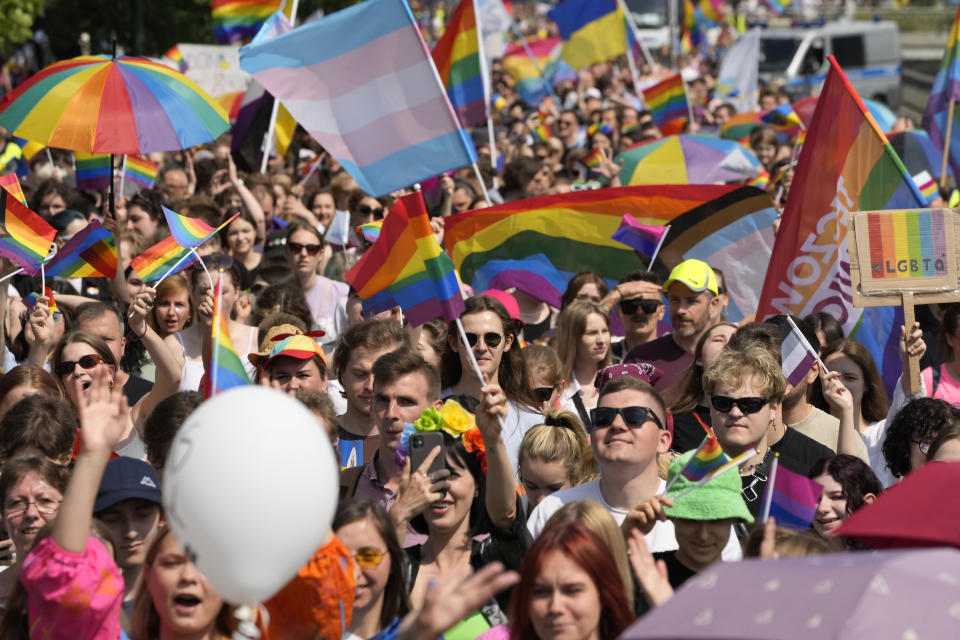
90 253
30 300
592 31
706 461
140 172
643 238
406 267
762 181
370 231
226 367
533 77
593 159
190 232
25 237
174 54
236 20
11 183
789 497
153 263
783 119
778 7
946 87
539 244
93 170
667 100
711 12
458 59
542 133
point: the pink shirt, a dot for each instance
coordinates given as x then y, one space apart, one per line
81 592
948 389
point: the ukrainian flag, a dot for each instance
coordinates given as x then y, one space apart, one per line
592 30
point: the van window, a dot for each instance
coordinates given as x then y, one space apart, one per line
848 50
776 54
813 59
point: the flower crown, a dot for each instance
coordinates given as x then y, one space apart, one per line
452 419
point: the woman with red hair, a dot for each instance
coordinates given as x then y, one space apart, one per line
569 589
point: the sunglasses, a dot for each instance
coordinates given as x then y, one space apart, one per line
630 307
366 210
369 558
312 249
86 362
633 416
492 339
748 406
542 394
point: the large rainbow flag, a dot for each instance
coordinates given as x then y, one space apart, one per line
25 237
236 20
226 368
539 244
592 31
849 165
946 87
406 267
90 253
459 61
93 170
667 100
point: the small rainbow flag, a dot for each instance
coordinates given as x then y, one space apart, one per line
226 368
593 159
783 119
762 181
140 171
12 185
189 232
93 170
173 53
30 300
90 253
542 133
629 127
790 497
370 231
708 458
25 237
667 100
457 56
643 238
155 261
236 20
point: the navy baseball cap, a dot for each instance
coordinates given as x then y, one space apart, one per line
126 478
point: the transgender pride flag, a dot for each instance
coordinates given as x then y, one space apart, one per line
362 83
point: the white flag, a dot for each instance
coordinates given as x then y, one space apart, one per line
737 80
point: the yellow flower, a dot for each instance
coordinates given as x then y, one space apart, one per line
455 418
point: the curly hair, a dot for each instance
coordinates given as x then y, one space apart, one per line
855 477
920 420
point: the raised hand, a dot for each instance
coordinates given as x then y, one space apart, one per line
650 573
103 411
645 515
40 327
139 308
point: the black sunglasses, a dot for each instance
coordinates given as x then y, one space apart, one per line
632 416
86 362
366 210
724 404
542 394
312 249
630 307
491 338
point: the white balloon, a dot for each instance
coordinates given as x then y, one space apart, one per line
250 490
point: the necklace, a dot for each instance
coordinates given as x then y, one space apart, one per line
753 467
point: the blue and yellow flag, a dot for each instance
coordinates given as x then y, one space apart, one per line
592 31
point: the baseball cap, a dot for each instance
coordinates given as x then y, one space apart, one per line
717 499
507 300
126 478
696 275
593 92
297 346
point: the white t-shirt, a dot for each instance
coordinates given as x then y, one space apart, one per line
519 420
660 538
876 433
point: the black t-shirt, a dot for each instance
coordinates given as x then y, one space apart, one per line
135 388
687 432
534 332
667 356
677 572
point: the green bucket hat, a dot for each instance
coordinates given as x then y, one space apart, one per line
717 499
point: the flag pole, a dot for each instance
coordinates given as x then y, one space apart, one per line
473 361
216 333
485 78
635 30
483 187
11 274
768 490
946 144
807 345
733 464
657 250
272 124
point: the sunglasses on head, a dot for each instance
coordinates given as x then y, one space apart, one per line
630 307
724 404
312 249
86 362
632 416
366 210
368 558
491 338
542 394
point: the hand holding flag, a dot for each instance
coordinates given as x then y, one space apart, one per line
797 355
789 497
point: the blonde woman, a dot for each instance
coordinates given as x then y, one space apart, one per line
553 456
583 344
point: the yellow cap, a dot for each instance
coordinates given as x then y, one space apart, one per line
696 275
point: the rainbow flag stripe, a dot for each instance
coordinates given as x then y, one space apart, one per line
542 133
762 181
899 235
370 231
236 20
154 262
226 367
93 171
406 267
11 183
667 100
188 232
457 56
140 171
593 159
25 237
89 254
707 460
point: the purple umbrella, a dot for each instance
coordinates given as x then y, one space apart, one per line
908 595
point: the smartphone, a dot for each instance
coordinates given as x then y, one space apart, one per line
421 444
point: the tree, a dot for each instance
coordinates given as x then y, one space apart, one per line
16 22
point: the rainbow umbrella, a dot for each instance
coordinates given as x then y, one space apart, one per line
98 104
687 159
741 125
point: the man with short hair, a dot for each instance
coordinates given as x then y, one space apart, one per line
106 322
639 302
360 347
692 298
175 184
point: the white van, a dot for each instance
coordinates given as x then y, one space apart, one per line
868 52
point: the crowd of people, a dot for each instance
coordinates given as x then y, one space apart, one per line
539 507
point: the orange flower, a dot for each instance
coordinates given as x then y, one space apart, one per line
473 440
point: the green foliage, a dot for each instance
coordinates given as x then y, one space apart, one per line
16 21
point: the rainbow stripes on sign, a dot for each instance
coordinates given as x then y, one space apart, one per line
457 56
90 253
667 100
93 170
140 172
226 367
406 267
542 133
188 232
236 20
155 261
25 237
907 244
